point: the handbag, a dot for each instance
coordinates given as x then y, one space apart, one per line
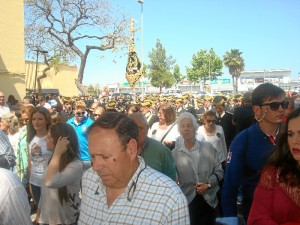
173 144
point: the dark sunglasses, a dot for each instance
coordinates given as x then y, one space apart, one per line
211 121
275 105
79 113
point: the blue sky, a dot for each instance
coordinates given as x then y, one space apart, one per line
266 31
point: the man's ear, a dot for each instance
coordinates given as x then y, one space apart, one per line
132 147
257 111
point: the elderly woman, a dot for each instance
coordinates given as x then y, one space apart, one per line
198 170
165 130
10 126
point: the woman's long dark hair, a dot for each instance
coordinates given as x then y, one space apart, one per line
65 130
283 158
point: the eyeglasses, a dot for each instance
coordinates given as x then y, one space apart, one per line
133 186
275 105
80 113
211 121
24 119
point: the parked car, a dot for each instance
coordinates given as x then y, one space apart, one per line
172 92
127 96
201 94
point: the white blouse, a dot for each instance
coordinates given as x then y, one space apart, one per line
156 133
217 140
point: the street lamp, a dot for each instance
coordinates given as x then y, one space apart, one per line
36 70
142 52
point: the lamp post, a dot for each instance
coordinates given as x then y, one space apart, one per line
209 73
36 70
142 51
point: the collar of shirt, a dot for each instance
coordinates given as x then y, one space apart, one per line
183 148
221 115
148 114
84 119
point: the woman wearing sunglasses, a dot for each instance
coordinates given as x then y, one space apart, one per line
80 122
251 147
213 134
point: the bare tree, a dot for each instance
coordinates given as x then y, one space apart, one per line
70 29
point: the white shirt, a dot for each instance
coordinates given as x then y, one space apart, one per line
46 105
14 205
4 109
156 133
217 140
38 161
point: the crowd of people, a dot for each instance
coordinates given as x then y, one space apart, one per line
156 160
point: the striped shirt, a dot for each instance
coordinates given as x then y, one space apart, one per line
6 150
155 199
14 205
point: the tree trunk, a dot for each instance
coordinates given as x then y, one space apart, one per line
81 87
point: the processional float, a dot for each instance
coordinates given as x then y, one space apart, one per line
134 70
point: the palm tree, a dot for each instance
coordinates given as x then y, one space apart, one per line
235 62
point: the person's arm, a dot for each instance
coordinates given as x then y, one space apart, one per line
224 146
168 164
179 213
53 167
233 174
65 177
16 209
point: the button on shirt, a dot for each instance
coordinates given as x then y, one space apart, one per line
156 200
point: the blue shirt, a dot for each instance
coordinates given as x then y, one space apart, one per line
248 153
81 130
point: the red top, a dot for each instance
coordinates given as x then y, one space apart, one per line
274 202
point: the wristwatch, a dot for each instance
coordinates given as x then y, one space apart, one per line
208 185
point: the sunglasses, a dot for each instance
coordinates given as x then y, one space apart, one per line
97 115
80 113
211 121
275 105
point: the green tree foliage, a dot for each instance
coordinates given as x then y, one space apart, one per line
93 90
177 74
70 30
160 67
206 65
235 62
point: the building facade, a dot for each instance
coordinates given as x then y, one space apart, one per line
12 63
16 75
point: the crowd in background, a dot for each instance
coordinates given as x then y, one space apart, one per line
212 147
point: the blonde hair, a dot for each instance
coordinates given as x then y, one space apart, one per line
13 122
80 105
